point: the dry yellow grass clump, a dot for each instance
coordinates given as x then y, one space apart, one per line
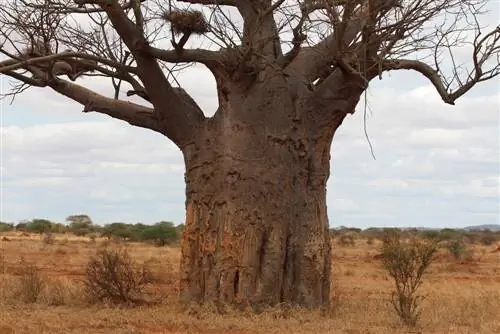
41 291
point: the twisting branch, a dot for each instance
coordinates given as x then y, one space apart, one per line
139 18
212 2
180 122
298 37
486 48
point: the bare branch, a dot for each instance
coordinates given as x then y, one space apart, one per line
181 121
206 57
126 111
212 2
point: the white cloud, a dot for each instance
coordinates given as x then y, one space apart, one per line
435 164
430 136
344 204
388 183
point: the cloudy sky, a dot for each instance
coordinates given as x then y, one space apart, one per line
436 165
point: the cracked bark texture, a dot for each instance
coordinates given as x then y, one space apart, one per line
256 229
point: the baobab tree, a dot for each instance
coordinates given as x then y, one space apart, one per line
287 74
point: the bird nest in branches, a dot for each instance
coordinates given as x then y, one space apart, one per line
187 22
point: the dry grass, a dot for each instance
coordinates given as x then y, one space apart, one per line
462 296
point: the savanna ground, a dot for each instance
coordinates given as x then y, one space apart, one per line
461 296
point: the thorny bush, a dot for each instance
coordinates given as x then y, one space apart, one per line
112 276
406 263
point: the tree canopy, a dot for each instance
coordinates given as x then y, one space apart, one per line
140 44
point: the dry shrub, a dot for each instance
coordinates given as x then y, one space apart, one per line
406 264
3 264
59 292
457 248
31 282
48 238
61 251
187 21
347 240
104 244
112 276
92 238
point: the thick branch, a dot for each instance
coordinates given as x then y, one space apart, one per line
129 112
80 9
209 58
179 118
14 64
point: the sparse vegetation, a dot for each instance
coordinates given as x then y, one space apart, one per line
347 240
112 276
359 293
6 227
48 238
31 282
406 263
456 248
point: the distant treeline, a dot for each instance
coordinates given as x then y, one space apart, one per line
164 232
161 233
486 237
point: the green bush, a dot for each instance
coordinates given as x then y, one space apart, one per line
117 230
406 264
6 227
161 233
80 225
447 234
430 234
456 248
39 226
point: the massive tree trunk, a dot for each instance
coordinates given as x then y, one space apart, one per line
256 229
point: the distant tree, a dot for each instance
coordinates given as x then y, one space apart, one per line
39 226
430 234
136 231
488 238
22 226
117 230
59 228
161 233
180 228
6 227
450 234
80 224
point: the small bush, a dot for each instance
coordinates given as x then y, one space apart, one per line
3 265
48 238
406 264
59 292
31 282
469 255
347 240
456 248
92 238
488 239
111 276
